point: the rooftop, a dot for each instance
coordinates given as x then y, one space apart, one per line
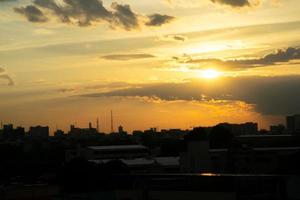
117 147
262 149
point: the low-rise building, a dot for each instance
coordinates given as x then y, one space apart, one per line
109 152
39 131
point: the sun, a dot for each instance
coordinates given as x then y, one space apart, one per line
210 74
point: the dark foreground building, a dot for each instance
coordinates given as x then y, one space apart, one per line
165 187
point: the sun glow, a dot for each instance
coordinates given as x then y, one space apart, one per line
210 74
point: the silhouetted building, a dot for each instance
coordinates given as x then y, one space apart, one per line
258 160
248 128
120 129
13 134
39 131
137 132
79 132
195 158
151 131
293 124
109 152
7 130
277 129
244 154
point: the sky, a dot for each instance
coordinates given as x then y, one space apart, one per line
159 63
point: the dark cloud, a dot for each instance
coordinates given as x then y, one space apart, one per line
84 13
81 12
270 95
125 17
233 3
123 57
5 76
176 38
280 56
179 38
159 20
32 13
6 0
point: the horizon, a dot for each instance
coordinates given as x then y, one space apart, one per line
164 63
158 129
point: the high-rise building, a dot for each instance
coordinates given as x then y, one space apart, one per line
293 123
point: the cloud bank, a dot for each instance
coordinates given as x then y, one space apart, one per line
86 13
270 95
280 56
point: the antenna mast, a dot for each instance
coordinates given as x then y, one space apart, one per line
111 121
98 124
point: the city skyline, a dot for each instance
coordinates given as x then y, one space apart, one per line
164 63
291 124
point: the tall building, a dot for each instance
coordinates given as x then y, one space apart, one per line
293 123
120 129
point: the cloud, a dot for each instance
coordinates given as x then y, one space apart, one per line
125 17
233 3
176 38
32 13
269 95
125 57
86 13
6 0
5 76
159 20
199 3
280 56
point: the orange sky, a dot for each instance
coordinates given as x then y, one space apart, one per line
166 64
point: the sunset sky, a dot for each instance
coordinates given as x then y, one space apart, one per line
159 63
